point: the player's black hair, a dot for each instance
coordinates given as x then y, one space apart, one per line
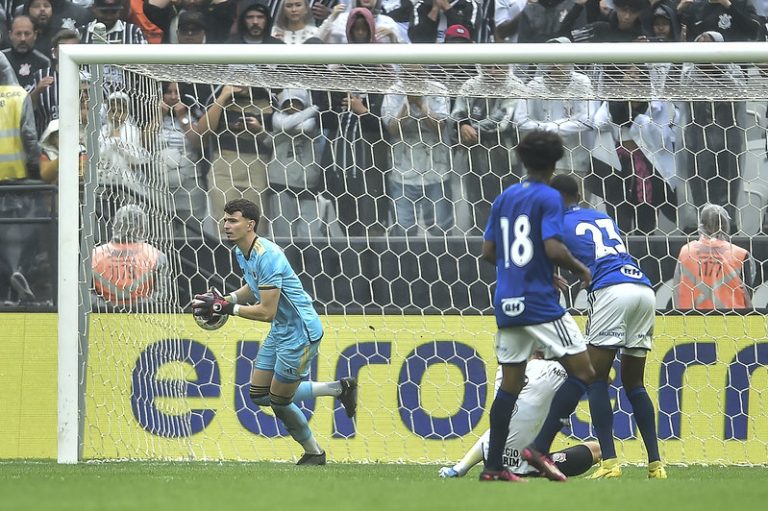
247 208
566 185
540 151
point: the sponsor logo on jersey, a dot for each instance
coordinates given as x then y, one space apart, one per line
632 272
619 334
513 306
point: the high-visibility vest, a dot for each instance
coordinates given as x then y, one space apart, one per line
711 276
152 33
124 273
12 156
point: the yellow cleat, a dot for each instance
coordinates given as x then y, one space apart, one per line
656 470
608 469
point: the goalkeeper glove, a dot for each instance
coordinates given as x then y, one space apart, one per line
212 302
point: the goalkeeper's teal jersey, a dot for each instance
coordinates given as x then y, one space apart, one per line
268 268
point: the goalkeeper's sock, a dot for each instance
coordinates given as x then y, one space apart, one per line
309 389
563 404
501 412
297 425
645 416
602 417
473 456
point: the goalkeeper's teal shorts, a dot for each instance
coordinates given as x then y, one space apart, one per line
288 356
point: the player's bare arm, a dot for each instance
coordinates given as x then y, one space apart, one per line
242 295
263 311
489 251
559 254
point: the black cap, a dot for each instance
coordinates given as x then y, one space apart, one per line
109 4
191 21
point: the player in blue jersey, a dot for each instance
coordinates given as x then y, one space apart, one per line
523 239
276 296
621 316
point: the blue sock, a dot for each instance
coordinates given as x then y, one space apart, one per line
295 421
602 417
645 416
501 412
563 405
303 392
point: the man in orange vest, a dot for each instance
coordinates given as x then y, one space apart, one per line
712 273
128 272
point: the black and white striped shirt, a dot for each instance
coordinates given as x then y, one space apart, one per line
120 33
47 108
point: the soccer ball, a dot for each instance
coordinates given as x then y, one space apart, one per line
212 323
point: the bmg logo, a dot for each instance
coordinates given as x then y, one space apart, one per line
513 306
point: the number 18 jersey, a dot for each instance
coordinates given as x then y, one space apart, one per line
522 217
594 239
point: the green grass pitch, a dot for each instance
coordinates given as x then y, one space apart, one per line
44 485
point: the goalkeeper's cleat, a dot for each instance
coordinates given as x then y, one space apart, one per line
608 469
656 470
449 472
500 475
543 464
348 396
312 459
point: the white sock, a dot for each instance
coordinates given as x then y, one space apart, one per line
473 456
311 446
326 388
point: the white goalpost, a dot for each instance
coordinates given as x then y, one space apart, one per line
406 309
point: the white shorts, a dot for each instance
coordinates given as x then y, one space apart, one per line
622 316
556 339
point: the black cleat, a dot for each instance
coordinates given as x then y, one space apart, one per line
312 459
348 396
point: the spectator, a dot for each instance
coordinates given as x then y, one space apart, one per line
121 153
41 12
294 23
45 95
642 169
254 26
69 15
401 11
570 118
666 24
294 176
49 140
543 20
217 17
508 15
113 13
191 28
237 123
432 17
624 23
419 181
128 272
25 60
180 153
136 15
734 20
20 162
712 136
713 273
486 136
334 29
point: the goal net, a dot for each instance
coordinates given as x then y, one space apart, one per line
375 168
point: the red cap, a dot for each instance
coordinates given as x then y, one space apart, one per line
458 32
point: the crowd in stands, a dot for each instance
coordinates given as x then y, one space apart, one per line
329 164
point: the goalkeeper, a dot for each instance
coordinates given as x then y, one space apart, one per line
277 297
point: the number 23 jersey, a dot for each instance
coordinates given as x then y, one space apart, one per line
594 239
522 217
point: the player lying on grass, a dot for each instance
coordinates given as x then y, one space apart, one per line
274 294
543 379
